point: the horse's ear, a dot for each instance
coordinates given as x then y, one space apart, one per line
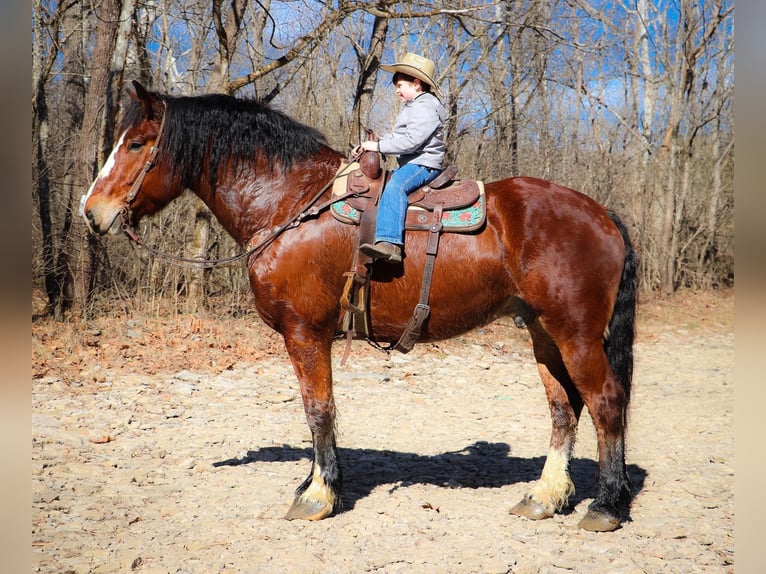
144 97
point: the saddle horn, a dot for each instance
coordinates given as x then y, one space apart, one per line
369 162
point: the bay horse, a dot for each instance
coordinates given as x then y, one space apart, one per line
547 254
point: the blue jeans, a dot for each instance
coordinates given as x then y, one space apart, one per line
392 209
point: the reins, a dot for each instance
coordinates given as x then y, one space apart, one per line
309 211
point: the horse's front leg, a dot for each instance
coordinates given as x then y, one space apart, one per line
319 495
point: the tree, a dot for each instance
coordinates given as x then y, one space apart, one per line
368 61
692 41
41 67
96 138
227 20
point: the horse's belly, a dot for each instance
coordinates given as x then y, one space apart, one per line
452 310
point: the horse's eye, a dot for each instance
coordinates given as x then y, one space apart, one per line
133 146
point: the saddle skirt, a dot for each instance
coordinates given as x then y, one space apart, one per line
463 203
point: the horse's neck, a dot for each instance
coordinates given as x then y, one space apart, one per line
261 197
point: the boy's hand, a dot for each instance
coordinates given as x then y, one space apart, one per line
363 147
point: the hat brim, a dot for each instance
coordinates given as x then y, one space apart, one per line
410 71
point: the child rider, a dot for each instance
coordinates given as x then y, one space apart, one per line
417 139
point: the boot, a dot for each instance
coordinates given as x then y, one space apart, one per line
382 250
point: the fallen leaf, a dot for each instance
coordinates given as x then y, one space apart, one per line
102 439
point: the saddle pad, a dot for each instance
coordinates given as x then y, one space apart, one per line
455 220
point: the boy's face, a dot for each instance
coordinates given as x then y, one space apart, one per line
408 90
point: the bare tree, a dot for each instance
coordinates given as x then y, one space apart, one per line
41 67
368 60
691 41
227 19
720 154
113 22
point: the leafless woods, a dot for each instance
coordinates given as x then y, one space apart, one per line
629 102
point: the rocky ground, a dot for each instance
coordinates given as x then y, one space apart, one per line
170 444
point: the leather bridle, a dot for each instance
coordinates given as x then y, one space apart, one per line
151 161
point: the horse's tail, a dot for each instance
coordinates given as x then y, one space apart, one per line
619 341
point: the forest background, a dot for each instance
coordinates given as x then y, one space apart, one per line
629 102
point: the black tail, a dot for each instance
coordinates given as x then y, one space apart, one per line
619 342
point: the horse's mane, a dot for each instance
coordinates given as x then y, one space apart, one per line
219 128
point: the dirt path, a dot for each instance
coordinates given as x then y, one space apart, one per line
175 446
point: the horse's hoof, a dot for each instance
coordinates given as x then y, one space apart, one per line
528 508
308 510
595 521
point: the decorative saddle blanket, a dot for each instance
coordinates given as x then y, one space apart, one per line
463 203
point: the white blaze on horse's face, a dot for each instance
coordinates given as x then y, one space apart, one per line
100 211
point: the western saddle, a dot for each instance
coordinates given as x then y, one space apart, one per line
445 205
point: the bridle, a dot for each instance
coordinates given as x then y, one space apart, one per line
266 236
151 161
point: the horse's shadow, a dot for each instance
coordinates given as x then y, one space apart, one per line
480 465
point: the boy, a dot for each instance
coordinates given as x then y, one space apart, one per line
417 139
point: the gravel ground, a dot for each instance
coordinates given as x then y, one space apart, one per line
175 445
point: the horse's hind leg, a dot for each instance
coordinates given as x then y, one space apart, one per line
319 495
607 402
551 493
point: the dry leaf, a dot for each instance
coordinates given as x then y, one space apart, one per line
103 439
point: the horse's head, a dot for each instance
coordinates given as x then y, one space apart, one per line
130 184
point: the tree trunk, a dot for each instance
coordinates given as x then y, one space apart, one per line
517 62
669 160
195 277
368 66
39 158
228 28
646 186
94 144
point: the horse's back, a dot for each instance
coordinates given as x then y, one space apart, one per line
544 248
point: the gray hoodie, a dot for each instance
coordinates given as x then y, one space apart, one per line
418 133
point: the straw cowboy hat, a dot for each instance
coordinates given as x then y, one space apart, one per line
415 66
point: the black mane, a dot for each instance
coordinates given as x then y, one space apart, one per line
219 128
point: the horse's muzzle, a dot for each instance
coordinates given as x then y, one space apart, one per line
99 221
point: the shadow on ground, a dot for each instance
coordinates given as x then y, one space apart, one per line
480 465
